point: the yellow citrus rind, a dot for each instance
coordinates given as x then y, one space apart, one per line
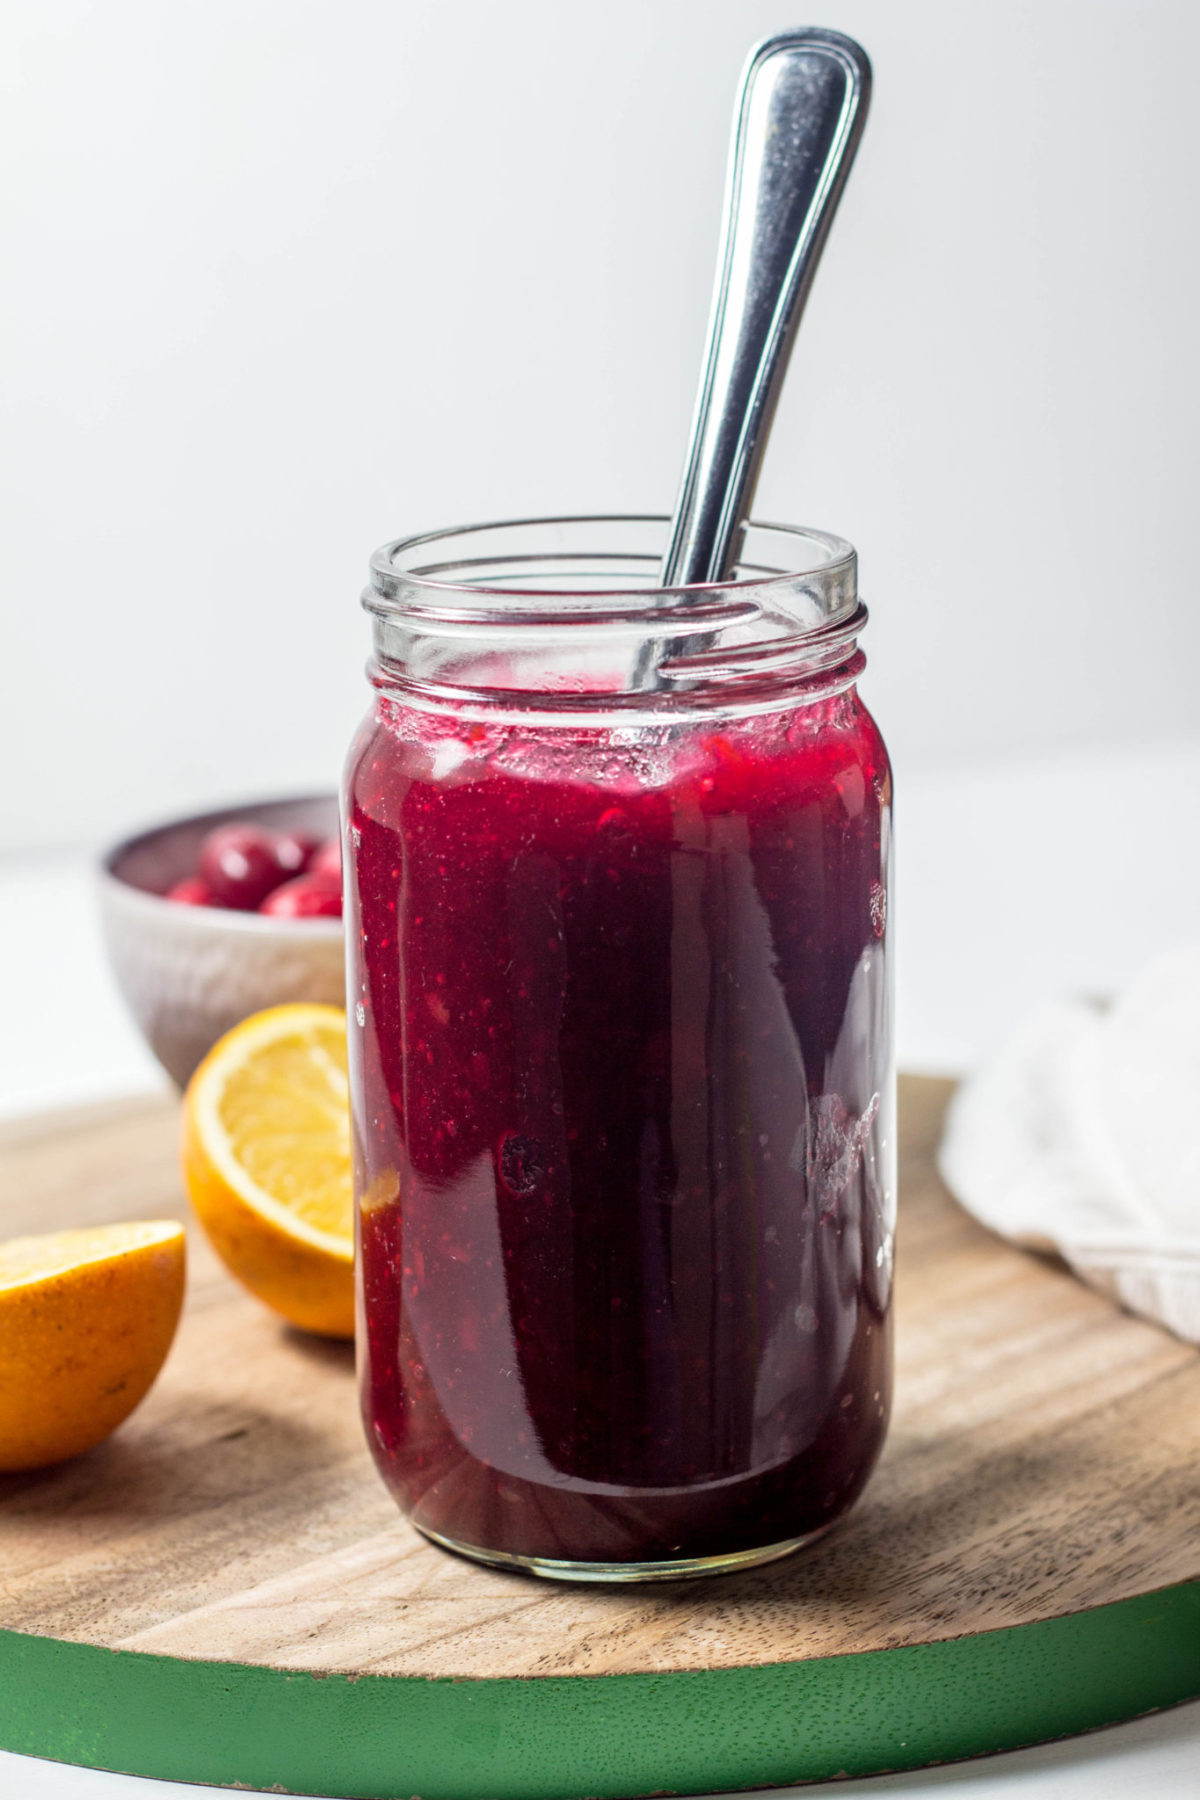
267 1162
86 1319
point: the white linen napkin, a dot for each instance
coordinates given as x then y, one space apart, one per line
1083 1136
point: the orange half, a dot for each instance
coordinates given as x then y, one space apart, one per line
86 1320
267 1162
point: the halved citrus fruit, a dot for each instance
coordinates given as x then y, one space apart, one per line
266 1159
86 1320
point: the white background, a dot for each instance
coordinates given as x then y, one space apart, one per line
285 279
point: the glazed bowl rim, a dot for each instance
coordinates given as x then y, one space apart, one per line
215 918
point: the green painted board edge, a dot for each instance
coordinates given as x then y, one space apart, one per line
565 1737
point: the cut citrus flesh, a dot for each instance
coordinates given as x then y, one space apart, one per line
267 1161
86 1320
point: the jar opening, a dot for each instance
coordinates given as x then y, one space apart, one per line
569 609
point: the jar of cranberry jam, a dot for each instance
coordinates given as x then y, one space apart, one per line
621 1065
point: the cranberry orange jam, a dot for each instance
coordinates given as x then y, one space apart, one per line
621 1059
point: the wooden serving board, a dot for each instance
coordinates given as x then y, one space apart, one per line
224 1592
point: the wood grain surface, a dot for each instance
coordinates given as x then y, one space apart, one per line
1043 1459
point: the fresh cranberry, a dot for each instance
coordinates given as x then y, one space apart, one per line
193 890
327 863
239 864
307 897
294 850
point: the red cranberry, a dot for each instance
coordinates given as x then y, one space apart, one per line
307 897
238 862
327 863
294 850
192 891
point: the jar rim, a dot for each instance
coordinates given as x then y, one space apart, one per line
404 580
569 608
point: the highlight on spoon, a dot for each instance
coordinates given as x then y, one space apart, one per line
800 113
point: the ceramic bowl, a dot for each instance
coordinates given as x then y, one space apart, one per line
190 973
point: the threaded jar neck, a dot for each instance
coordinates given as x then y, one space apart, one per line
560 616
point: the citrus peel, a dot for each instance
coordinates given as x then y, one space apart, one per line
267 1162
86 1319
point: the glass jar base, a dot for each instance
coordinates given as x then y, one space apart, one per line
673 1569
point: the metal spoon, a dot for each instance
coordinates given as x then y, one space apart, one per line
800 114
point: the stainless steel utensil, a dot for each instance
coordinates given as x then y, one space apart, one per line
800 114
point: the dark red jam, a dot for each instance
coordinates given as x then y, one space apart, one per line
623 1122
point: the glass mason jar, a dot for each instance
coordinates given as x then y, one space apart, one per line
621 1061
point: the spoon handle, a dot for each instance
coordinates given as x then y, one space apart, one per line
800 114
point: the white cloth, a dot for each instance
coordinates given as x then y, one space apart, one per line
1083 1136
